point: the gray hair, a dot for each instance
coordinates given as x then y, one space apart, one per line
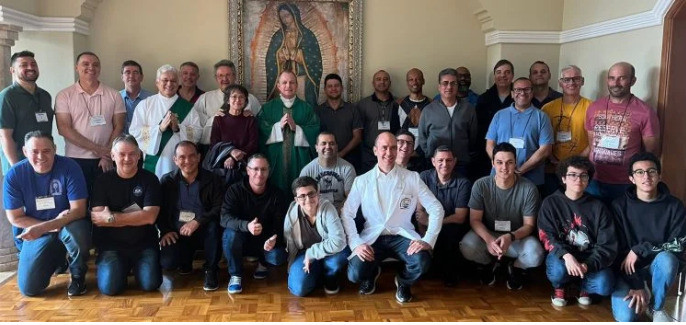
166 68
570 67
447 72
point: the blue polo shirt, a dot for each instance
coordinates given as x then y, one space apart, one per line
131 103
532 126
22 185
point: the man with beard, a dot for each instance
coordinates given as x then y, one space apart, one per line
539 74
379 114
24 107
412 105
618 127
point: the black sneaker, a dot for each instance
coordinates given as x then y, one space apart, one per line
369 286
403 294
515 277
487 274
211 282
77 286
331 285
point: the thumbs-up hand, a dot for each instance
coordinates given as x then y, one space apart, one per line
255 227
269 243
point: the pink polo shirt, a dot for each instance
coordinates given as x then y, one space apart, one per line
81 106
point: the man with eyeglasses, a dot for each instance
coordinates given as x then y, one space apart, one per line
133 93
651 224
619 126
578 232
527 129
388 196
334 175
412 105
253 217
407 157
567 116
539 74
464 82
450 121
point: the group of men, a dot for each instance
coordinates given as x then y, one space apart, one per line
530 138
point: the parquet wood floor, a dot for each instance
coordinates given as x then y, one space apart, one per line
181 298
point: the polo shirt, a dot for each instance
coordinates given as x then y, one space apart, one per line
341 122
452 195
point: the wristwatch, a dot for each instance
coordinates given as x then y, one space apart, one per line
512 236
110 219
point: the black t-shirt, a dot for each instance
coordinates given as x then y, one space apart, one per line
118 194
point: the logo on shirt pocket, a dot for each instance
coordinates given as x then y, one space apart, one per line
138 191
405 201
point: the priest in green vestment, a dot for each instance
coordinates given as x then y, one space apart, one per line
288 132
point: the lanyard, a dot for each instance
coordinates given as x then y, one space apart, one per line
512 124
562 115
381 108
607 105
87 101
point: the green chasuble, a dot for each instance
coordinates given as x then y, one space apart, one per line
181 108
286 156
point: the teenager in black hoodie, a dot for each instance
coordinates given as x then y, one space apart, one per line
651 225
579 234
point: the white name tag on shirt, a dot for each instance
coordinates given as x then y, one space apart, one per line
518 143
97 120
45 203
186 216
415 132
384 125
564 136
132 208
609 142
501 225
42 117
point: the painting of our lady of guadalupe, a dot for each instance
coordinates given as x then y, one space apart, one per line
308 38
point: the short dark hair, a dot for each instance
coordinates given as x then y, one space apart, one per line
304 181
447 72
130 139
502 63
644 156
224 63
443 148
576 162
227 94
505 147
326 133
190 64
404 132
186 143
131 63
38 134
21 54
539 62
78 57
334 77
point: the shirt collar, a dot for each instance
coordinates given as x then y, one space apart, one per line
96 92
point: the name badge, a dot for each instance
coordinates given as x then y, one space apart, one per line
45 203
518 143
502 225
97 120
415 132
186 216
564 136
609 142
42 117
384 125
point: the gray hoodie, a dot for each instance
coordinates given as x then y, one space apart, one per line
328 225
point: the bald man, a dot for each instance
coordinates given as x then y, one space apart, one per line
412 105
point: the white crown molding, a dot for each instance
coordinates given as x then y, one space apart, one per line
44 24
654 17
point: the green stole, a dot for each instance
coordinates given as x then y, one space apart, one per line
181 108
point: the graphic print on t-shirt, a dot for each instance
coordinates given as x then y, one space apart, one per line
611 132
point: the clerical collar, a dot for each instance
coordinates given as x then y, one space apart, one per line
287 102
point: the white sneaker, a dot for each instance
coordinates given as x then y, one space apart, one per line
235 285
661 316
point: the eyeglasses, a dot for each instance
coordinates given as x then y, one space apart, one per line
573 176
652 172
526 90
448 83
311 195
572 79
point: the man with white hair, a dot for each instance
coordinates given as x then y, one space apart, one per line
162 120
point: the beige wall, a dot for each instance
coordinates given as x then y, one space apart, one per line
579 13
523 55
27 6
539 15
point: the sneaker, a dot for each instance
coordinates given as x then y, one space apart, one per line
77 286
584 298
369 286
661 316
235 285
261 272
488 274
185 270
331 286
211 282
514 277
403 294
558 298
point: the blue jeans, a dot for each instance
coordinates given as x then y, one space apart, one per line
663 270
390 246
180 254
39 258
114 267
600 282
302 284
606 192
234 242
